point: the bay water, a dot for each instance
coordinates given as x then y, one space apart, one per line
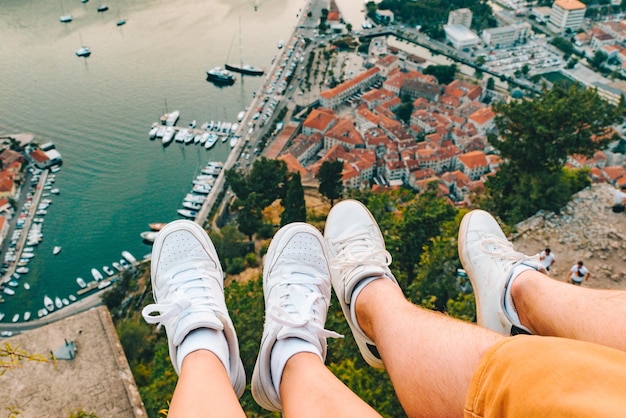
98 111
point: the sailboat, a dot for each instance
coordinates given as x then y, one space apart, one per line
241 67
83 51
64 18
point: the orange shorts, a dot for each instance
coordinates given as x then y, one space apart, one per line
531 376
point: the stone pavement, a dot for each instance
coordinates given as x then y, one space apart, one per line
98 380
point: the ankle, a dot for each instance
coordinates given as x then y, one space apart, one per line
518 290
372 296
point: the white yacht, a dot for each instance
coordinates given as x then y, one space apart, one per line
81 282
47 302
57 302
108 270
96 274
129 257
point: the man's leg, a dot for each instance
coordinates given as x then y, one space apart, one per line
550 307
187 285
430 357
289 375
511 292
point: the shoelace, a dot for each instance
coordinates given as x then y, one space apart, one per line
299 305
357 249
186 290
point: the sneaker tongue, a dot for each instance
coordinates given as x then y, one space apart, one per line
189 321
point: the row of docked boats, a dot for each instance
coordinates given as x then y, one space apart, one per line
15 255
116 267
207 135
202 186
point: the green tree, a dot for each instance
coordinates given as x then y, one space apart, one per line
420 222
598 59
329 176
250 216
537 136
228 243
563 44
294 204
445 74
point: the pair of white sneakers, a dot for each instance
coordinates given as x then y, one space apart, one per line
300 266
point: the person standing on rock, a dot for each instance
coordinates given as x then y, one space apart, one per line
619 200
578 274
546 257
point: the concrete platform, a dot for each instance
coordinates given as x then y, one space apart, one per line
98 380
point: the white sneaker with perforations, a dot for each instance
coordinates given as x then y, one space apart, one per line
489 260
188 290
296 286
357 252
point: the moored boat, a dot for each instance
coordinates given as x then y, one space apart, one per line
149 236
187 213
26 286
57 302
108 270
26 315
47 302
96 274
157 226
81 282
104 283
72 298
168 136
117 266
84 52
9 291
245 69
56 249
220 76
16 317
192 206
129 257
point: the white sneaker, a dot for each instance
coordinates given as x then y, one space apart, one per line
357 251
296 285
188 290
489 259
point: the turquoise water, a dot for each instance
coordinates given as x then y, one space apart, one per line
98 112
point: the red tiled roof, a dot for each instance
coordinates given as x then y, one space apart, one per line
474 159
319 119
329 94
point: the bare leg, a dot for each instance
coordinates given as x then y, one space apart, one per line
309 389
204 389
553 308
416 345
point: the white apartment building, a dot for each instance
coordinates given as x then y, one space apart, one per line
566 14
506 35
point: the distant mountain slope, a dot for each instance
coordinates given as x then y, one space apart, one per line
587 230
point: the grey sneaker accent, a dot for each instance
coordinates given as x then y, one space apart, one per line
357 252
296 286
188 290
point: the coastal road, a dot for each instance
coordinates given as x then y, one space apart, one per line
82 305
